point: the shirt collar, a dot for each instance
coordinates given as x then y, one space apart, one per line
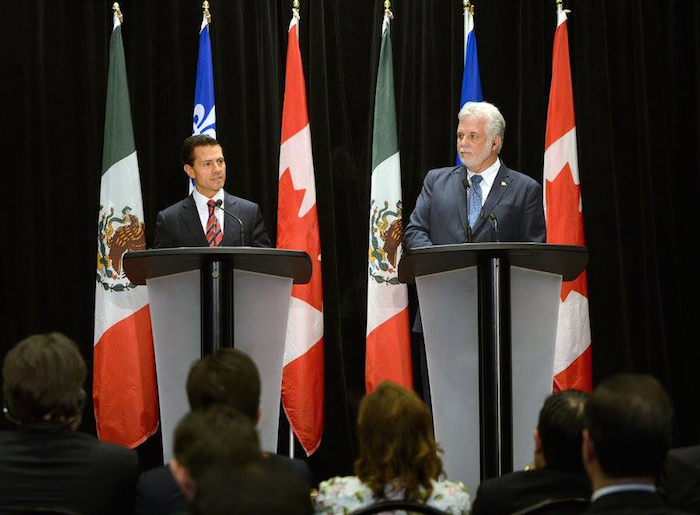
201 201
612 489
488 175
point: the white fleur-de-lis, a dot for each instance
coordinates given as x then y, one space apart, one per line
202 124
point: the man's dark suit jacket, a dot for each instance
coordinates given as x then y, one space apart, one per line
512 492
632 503
679 484
179 225
440 215
43 465
157 493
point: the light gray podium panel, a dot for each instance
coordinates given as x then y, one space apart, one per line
449 312
260 306
534 297
175 318
260 331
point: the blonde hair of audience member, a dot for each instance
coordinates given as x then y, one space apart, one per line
396 442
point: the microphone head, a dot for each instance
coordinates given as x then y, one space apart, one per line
465 183
218 203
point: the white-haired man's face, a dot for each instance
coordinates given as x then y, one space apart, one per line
476 148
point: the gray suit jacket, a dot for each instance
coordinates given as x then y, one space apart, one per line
179 225
440 215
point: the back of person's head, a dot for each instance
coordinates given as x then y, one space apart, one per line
260 488
210 435
559 427
396 440
43 378
629 419
228 377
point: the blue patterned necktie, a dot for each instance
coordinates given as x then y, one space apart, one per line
475 200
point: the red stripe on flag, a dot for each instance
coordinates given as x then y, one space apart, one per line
560 113
294 114
125 381
389 353
576 376
564 219
302 388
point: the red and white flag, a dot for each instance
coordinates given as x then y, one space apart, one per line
124 389
297 228
564 214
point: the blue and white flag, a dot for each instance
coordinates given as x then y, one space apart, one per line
204 114
471 80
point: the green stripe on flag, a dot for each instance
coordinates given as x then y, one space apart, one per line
384 136
119 136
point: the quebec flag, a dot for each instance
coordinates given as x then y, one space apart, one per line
204 114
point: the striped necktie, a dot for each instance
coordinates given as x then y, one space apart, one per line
214 234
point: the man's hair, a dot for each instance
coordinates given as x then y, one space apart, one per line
192 142
495 123
396 440
560 424
260 488
218 433
228 377
43 375
630 420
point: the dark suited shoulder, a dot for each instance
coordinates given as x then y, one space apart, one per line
632 503
298 467
679 483
518 490
168 230
157 493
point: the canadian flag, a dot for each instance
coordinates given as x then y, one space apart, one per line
564 213
297 228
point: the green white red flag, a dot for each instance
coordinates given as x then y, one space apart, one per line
388 351
124 389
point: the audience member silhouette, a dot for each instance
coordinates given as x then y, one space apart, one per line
398 458
44 461
628 423
557 472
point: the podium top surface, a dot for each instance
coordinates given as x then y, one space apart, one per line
148 264
566 260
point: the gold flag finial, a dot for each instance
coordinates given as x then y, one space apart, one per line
295 9
205 10
466 5
560 7
387 10
118 12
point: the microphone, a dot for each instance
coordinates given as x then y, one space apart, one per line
494 223
240 222
465 183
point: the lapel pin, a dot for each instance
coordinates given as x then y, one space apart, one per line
503 183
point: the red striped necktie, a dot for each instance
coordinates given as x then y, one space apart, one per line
214 234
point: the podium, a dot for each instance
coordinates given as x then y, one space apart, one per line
202 299
489 313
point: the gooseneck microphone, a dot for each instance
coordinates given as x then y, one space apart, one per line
470 236
494 223
240 222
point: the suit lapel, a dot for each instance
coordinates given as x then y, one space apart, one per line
190 218
231 226
458 176
498 188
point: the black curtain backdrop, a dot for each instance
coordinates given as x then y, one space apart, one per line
636 75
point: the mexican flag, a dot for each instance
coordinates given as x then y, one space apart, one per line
124 391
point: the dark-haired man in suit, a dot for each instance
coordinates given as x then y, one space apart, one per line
628 424
229 377
558 470
209 217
